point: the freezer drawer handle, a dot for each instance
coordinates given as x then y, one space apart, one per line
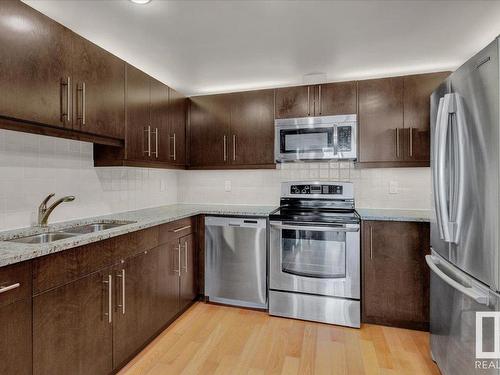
477 295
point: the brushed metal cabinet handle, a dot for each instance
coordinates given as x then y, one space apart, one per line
68 89
174 148
234 147
411 141
397 143
181 229
122 277
156 143
371 242
109 282
84 103
225 148
186 256
319 104
179 257
308 100
147 130
4 289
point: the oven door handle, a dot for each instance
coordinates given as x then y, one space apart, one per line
354 228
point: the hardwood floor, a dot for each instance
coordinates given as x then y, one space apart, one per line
211 339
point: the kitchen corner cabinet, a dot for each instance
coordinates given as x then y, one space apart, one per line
338 98
395 279
15 318
394 120
232 130
155 126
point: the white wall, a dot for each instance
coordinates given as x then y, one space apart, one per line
413 185
32 166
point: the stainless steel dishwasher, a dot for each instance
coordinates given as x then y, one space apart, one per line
236 261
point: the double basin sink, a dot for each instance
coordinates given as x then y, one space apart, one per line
73 231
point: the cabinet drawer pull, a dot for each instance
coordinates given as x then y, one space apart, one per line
179 257
185 257
181 229
109 282
122 276
4 289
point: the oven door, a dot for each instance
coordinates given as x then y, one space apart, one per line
298 142
315 258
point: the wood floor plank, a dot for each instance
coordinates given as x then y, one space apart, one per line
221 340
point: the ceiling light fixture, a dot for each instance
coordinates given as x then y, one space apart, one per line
142 2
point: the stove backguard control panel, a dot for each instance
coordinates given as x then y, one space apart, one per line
316 189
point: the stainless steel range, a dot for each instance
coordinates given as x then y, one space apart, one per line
315 254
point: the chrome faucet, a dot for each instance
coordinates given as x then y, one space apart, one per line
44 212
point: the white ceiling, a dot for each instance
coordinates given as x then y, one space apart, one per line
203 47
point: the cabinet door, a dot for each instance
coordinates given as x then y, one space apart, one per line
188 290
138 135
338 98
133 307
72 332
209 130
380 120
35 64
177 128
252 128
294 102
99 90
395 275
165 286
15 338
159 121
417 92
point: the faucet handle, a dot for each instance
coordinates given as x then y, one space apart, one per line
47 198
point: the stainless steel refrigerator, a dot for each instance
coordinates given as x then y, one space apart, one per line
465 256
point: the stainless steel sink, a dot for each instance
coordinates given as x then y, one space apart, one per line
43 238
94 227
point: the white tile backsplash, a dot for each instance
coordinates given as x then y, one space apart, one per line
33 166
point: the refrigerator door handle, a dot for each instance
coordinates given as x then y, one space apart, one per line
463 286
441 170
435 164
461 128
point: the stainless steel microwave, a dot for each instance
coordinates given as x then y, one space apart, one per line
315 138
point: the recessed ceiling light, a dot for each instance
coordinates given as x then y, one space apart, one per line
142 2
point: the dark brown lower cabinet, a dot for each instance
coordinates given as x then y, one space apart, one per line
72 327
15 338
395 275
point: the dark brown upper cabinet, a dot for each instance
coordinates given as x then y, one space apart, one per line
338 98
417 91
394 120
252 128
177 128
156 147
98 90
232 130
53 78
35 67
209 119
380 120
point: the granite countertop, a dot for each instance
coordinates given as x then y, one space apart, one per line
14 252
394 214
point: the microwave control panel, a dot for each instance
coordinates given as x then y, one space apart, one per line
316 189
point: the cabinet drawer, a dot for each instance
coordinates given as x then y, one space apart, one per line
135 242
69 265
177 229
15 282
